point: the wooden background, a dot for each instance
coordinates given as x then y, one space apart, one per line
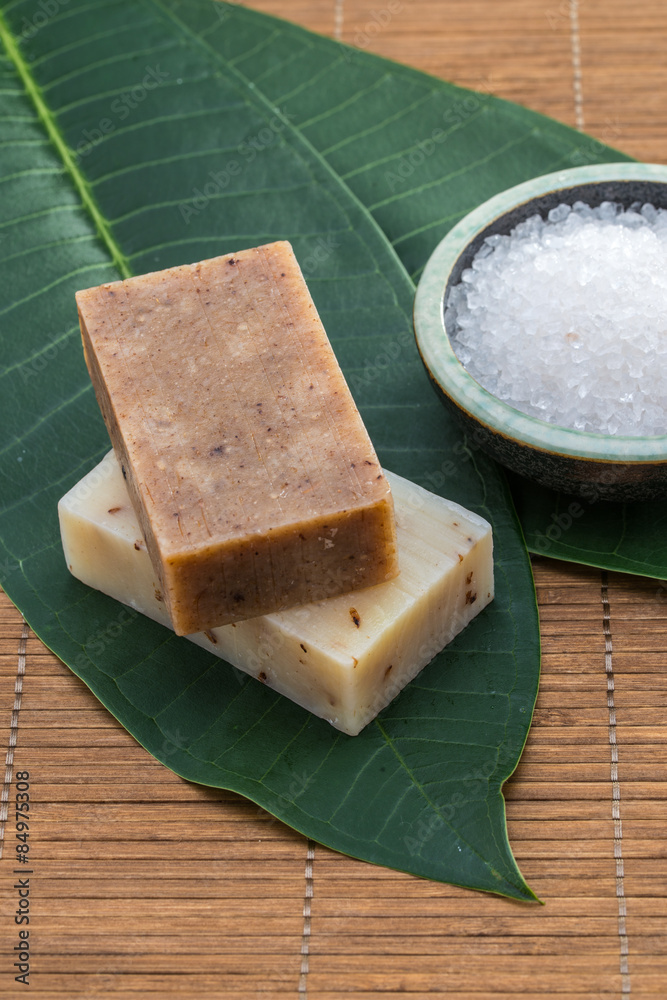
145 886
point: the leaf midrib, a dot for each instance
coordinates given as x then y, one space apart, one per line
48 120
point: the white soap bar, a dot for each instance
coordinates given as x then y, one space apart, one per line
344 658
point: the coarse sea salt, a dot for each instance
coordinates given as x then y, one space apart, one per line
566 318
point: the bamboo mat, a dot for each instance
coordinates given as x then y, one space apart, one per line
145 886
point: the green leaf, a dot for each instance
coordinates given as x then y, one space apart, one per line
630 538
420 154
133 142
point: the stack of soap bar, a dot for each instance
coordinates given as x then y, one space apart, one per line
253 477
345 658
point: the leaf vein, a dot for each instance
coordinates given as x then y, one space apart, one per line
53 131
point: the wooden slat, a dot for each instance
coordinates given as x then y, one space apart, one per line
146 886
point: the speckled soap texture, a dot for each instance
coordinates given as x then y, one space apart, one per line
248 465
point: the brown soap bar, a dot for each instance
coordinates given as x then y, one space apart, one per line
253 477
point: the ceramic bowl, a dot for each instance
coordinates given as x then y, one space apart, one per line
596 466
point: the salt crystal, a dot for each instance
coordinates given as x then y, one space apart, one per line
566 318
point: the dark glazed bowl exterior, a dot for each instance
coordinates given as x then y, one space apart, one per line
595 466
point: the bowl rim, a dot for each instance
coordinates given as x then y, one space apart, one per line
453 379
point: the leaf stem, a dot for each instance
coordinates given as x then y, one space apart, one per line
67 156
